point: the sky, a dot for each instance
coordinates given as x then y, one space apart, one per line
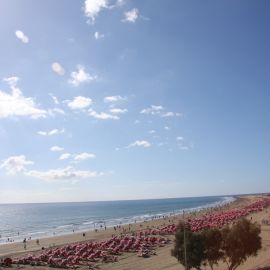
126 99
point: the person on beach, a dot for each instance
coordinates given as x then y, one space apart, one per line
24 243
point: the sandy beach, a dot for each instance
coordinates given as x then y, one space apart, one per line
163 259
134 135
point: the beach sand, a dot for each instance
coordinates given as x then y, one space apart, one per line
163 259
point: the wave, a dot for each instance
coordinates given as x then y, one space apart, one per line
79 225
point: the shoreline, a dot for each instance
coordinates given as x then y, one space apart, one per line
16 248
99 225
162 259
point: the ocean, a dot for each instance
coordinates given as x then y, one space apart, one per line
38 220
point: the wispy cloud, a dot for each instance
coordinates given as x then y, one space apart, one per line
15 104
15 164
51 132
153 110
57 68
84 156
142 143
65 156
102 115
55 111
80 76
77 157
21 36
55 99
79 103
66 174
98 35
182 144
118 111
131 15
171 114
111 99
18 164
159 110
56 148
162 144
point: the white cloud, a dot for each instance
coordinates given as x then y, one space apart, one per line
51 132
15 164
56 132
93 7
140 143
54 98
11 81
84 156
42 133
80 76
118 111
79 103
131 15
65 156
159 110
55 111
57 68
152 131
75 157
168 114
179 138
153 110
15 104
102 115
166 128
56 148
110 99
171 114
21 36
98 35
63 174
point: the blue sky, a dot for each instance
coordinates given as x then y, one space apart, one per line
108 100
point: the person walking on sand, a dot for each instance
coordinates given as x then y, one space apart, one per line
24 243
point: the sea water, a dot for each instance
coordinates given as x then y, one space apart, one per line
38 220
